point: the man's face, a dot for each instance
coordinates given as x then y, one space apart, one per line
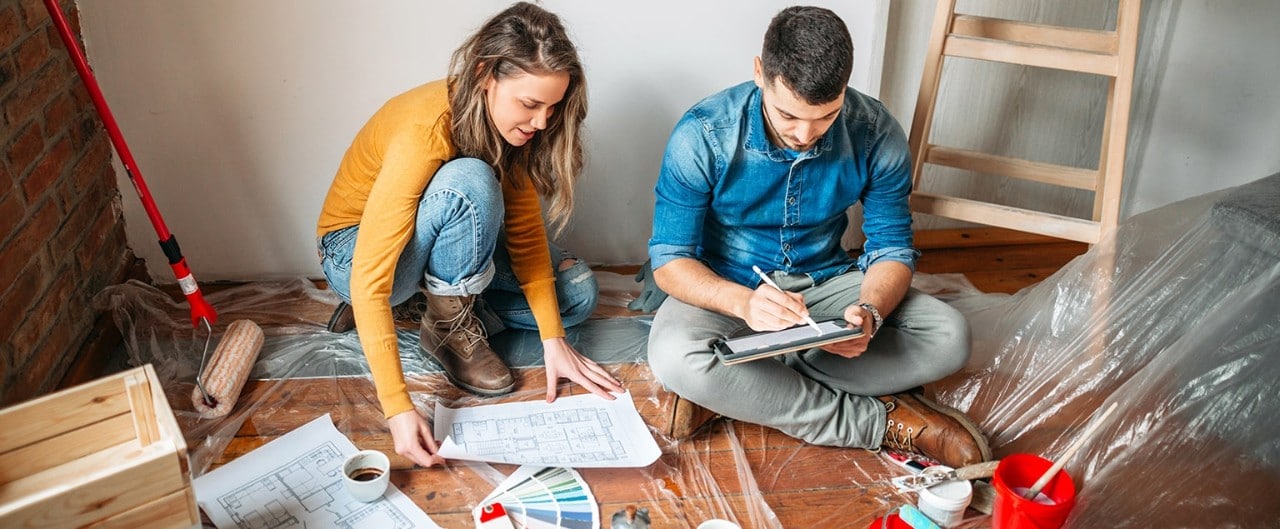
793 123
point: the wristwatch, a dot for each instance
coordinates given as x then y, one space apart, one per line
876 320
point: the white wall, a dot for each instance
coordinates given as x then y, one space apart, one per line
1215 120
238 111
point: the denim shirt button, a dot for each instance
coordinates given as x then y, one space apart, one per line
791 200
786 247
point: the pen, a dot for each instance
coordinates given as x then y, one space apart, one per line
770 282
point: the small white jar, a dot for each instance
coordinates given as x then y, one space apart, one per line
945 502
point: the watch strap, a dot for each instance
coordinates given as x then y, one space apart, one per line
876 320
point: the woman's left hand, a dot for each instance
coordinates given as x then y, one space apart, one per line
564 362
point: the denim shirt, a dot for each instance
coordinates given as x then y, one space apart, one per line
731 199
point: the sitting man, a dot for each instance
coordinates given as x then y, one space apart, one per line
762 174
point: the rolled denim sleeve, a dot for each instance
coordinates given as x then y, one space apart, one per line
906 256
885 201
683 193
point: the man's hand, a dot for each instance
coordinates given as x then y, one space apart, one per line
770 309
413 440
562 361
856 316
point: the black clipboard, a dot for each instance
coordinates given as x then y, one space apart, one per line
757 345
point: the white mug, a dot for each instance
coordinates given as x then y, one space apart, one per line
717 523
366 474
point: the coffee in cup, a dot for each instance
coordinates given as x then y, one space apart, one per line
366 475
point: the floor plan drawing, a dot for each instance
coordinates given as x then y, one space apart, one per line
299 484
576 431
580 435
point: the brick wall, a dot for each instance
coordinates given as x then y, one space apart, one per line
61 230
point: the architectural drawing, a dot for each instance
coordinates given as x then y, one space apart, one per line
553 437
574 431
257 491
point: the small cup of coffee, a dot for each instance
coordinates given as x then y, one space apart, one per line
366 474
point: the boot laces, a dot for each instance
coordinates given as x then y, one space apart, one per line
412 310
898 435
467 325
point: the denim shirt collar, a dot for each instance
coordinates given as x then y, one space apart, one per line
757 138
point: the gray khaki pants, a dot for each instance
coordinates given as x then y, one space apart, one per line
813 395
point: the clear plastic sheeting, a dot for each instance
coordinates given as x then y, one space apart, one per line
1175 319
303 371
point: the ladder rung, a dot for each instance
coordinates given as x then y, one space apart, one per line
1031 55
1047 173
1087 40
1060 226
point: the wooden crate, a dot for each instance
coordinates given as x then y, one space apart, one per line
103 454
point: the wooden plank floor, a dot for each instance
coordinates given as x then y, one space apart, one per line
730 470
755 476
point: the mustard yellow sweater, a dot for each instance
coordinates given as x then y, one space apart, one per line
378 186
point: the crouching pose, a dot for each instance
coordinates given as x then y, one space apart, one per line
439 192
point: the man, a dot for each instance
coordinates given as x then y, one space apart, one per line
762 174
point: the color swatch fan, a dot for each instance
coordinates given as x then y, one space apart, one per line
538 498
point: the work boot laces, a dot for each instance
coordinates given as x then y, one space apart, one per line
467 325
411 310
898 435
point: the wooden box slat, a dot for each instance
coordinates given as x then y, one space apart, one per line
175 510
62 412
108 453
65 447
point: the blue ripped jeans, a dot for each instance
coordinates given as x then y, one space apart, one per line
458 249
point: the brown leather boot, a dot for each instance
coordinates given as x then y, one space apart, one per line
917 424
343 318
453 336
688 418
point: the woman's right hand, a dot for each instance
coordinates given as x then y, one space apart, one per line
413 439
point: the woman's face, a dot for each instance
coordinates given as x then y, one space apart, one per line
520 106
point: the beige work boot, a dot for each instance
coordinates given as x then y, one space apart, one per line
688 418
916 424
451 333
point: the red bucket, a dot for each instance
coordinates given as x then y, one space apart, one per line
1012 511
889 521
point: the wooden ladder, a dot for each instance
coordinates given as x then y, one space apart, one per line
1107 53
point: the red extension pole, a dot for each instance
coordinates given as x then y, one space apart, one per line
200 309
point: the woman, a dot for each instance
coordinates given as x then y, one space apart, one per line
439 178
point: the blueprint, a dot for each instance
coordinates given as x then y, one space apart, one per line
296 481
577 431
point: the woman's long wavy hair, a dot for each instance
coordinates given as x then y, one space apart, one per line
522 39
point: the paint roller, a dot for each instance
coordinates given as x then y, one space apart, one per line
220 380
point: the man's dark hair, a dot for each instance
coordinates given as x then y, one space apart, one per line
809 48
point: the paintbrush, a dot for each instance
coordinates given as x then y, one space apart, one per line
1071 450
933 475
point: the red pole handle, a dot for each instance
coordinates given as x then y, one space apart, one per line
200 309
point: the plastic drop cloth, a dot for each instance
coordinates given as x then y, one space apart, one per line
1176 318
304 371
